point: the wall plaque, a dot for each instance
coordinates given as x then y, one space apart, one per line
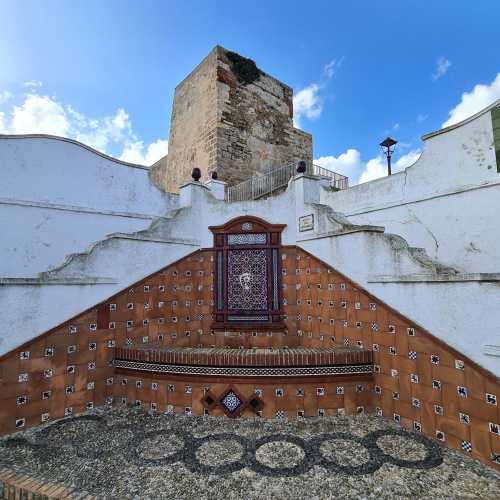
306 223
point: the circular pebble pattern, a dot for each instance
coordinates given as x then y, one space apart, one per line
279 455
127 453
401 447
160 445
346 451
219 452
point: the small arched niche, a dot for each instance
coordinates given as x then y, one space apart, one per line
247 275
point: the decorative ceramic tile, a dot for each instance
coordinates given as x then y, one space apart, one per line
438 410
231 402
491 399
440 436
464 418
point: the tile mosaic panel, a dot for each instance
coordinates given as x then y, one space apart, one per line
247 239
247 280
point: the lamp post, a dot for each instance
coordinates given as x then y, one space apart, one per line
388 146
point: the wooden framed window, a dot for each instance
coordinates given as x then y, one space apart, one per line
247 275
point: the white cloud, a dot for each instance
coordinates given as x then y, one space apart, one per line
3 129
352 165
331 68
377 167
307 102
32 84
138 153
348 163
481 96
5 96
421 118
442 67
99 133
41 114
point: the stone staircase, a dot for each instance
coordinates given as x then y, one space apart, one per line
32 306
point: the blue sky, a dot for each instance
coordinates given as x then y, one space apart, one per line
104 72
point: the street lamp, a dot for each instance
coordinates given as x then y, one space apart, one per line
388 146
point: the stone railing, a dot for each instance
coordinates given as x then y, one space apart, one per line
276 179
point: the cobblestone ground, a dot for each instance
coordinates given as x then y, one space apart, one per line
124 453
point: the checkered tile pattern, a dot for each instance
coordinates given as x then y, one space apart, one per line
466 446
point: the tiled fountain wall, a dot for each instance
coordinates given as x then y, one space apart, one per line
419 382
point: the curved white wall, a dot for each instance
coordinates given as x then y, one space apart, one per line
58 197
443 203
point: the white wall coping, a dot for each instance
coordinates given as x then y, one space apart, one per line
463 122
195 184
343 232
78 209
79 280
436 278
410 201
75 142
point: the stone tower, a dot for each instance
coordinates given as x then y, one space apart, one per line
231 117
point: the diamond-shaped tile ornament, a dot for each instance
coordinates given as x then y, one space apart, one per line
209 401
256 404
231 402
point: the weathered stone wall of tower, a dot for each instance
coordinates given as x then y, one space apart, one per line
231 117
255 124
192 127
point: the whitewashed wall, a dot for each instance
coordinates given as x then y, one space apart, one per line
443 203
461 309
58 197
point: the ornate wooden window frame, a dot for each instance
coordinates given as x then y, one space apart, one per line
225 242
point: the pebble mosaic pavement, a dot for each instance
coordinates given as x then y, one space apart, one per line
125 453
